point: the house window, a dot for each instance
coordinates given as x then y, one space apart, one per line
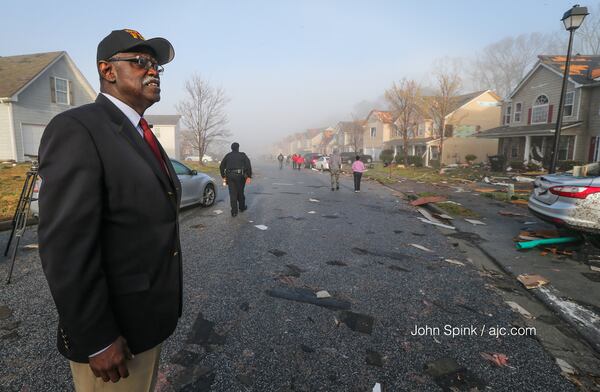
569 100
507 114
61 87
539 112
566 147
373 133
518 111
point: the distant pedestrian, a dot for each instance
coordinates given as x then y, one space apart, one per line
335 166
287 160
294 161
236 170
280 159
300 161
358 168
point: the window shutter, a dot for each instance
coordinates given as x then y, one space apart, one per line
592 149
529 116
52 90
71 100
550 108
503 119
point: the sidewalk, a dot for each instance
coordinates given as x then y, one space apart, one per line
574 290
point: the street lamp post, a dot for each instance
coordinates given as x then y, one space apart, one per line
572 19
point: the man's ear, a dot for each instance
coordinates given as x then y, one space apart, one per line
107 71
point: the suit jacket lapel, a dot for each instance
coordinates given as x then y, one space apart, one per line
132 136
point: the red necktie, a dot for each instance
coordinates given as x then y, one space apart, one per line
151 140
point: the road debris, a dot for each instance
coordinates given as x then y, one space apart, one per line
261 227
313 200
31 246
218 212
357 321
519 309
277 252
451 376
377 387
524 179
498 359
546 241
510 213
426 200
421 247
475 222
436 224
532 281
565 367
444 216
323 294
307 296
456 262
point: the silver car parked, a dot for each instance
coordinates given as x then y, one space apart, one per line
196 188
568 201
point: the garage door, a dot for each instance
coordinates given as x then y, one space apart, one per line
32 134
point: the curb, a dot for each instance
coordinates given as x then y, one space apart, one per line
587 334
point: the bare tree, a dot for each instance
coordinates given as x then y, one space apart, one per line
589 33
355 132
404 99
203 114
501 65
442 103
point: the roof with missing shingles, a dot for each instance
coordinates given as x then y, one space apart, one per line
583 69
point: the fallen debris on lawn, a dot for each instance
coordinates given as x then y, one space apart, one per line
546 241
426 200
532 281
475 222
436 224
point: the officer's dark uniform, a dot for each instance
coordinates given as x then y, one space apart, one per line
235 167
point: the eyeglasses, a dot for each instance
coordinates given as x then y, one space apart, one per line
141 62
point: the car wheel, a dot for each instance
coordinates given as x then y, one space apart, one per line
208 197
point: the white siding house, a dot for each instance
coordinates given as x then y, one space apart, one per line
33 89
167 131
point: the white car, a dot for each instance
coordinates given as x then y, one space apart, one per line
322 163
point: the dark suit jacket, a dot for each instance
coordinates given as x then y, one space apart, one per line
108 232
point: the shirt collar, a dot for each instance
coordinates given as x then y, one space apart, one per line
131 114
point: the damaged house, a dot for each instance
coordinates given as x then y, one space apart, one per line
529 113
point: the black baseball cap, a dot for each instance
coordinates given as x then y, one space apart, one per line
126 40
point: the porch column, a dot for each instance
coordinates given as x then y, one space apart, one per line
527 148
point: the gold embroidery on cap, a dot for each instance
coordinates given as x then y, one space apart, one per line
135 34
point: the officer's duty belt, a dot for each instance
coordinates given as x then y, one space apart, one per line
235 171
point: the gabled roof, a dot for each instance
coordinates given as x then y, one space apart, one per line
461 100
384 116
163 119
312 132
17 71
583 70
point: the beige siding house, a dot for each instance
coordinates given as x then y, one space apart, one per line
529 113
379 128
472 114
33 89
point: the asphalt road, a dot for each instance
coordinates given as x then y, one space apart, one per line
252 322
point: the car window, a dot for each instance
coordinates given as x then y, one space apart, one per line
180 169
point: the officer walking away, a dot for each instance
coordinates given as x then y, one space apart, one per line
236 171
335 166
280 159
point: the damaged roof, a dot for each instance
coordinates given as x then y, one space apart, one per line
17 71
583 70
525 130
385 117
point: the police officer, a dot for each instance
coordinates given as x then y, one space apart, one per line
236 171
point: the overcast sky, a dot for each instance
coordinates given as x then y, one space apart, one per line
285 65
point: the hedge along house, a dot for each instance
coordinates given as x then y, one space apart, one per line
33 89
529 113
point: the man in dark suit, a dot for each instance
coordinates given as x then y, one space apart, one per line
108 230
